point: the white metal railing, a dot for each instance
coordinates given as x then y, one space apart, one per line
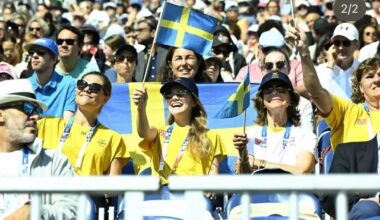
194 186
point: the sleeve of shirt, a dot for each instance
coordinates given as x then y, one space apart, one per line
307 142
241 74
336 116
119 149
70 101
219 146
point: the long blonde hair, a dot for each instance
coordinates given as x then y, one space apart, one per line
199 144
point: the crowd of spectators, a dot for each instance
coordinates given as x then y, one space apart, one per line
309 68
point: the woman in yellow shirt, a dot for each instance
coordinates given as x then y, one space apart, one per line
185 146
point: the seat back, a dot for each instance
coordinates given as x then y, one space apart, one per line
325 152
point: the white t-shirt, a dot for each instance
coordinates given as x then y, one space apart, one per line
300 140
11 165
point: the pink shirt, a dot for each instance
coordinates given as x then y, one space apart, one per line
256 74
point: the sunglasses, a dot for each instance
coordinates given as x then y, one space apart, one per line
68 41
218 51
34 29
279 64
278 89
121 58
370 34
344 43
27 107
92 87
330 17
38 52
179 93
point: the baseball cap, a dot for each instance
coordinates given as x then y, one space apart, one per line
302 2
276 76
126 47
46 43
109 5
7 69
186 83
18 90
346 30
272 38
231 6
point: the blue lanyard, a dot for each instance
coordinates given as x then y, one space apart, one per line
165 146
65 135
285 139
369 123
25 161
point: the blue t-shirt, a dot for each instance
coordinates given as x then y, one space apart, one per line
58 94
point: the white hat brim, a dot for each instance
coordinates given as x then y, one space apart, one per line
18 98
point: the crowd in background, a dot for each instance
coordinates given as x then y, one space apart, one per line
314 66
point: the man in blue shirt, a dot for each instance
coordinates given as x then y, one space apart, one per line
55 90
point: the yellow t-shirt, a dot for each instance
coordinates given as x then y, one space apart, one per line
105 145
188 165
349 122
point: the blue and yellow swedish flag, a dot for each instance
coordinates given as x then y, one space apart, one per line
238 101
120 113
186 28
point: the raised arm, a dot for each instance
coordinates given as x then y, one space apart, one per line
319 96
144 130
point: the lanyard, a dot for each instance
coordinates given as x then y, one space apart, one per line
165 149
369 123
285 139
65 135
25 161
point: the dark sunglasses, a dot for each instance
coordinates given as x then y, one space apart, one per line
34 29
179 93
271 89
39 52
345 43
27 107
92 87
279 64
330 17
68 41
121 58
219 51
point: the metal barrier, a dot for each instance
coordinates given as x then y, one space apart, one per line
194 186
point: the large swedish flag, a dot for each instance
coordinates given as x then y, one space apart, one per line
186 28
237 102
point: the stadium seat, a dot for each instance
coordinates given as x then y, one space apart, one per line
303 199
325 153
90 210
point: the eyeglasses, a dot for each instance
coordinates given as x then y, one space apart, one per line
27 107
218 51
34 29
68 41
345 43
141 29
92 87
330 17
370 34
121 58
180 93
271 89
279 64
38 52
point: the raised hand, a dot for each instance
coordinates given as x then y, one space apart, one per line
140 97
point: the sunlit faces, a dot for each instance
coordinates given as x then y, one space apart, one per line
21 119
67 42
89 98
180 101
125 64
41 60
370 85
276 97
369 35
276 61
184 63
9 50
344 50
213 71
143 33
36 29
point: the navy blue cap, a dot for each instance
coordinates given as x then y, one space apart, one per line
186 83
45 43
276 76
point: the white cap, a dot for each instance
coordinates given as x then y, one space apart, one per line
253 28
272 38
346 30
302 2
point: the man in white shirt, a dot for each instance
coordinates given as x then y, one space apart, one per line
21 154
335 74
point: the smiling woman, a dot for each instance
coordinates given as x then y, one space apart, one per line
181 62
185 146
277 140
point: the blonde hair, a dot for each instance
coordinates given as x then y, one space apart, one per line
199 144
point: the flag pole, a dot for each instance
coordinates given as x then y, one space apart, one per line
245 120
153 49
292 11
